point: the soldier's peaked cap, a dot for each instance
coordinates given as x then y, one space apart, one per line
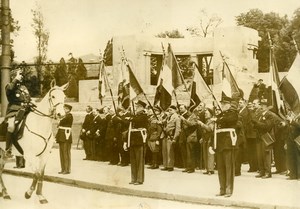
143 104
68 106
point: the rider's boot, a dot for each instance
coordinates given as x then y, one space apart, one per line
20 162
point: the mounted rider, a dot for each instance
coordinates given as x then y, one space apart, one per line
18 107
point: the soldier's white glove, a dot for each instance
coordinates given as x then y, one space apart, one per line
125 146
157 142
211 151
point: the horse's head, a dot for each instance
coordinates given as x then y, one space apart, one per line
56 98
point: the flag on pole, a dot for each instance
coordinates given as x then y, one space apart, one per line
164 89
135 87
103 82
200 91
123 87
229 85
274 99
171 62
290 86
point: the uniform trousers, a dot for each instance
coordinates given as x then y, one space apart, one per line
252 154
226 164
209 159
65 156
168 153
293 159
264 157
183 152
191 155
137 163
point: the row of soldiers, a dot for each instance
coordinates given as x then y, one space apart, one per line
238 132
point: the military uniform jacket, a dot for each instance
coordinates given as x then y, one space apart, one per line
16 94
172 128
64 133
94 130
182 135
226 120
154 129
189 127
139 122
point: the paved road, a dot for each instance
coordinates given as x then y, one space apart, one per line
77 198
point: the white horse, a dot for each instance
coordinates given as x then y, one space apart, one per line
37 140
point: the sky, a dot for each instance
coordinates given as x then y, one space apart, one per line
84 26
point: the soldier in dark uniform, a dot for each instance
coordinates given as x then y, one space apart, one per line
64 139
225 144
86 125
136 141
18 106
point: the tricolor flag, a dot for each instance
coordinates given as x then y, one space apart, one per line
164 89
103 86
275 101
290 86
200 91
229 86
177 77
135 87
123 87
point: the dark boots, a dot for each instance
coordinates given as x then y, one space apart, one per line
9 141
20 162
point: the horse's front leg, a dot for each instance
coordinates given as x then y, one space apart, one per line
29 192
39 189
3 192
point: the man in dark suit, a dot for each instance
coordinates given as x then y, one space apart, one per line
226 139
86 125
64 139
264 125
136 141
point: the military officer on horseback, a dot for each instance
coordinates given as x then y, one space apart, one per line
18 106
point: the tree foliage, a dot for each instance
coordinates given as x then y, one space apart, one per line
108 53
206 26
170 34
278 28
42 37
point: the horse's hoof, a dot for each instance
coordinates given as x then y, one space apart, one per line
44 201
6 197
27 196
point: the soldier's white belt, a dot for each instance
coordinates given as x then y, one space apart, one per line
232 133
67 131
64 128
143 132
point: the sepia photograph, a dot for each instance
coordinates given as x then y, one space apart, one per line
150 104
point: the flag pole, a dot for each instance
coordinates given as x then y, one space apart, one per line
296 46
234 81
110 90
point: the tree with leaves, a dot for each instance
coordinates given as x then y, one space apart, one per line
170 34
206 26
42 38
276 25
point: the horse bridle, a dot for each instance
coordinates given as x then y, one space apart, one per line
52 107
36 111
